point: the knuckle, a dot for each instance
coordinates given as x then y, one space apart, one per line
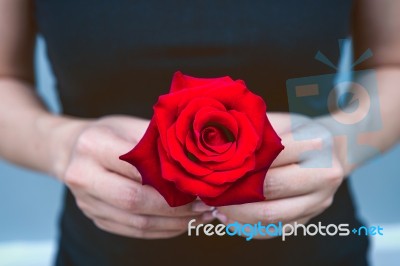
315 144
82 205
305 220
268 215
100 224
174 211
328 202
133 199
142 223
183 224
88 141
88 215
272 188
339 171
324 139
336 175
180 224
72 177
140 233
85 143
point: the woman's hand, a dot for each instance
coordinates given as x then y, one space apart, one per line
108 190
302 181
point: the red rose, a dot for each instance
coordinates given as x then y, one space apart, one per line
208 138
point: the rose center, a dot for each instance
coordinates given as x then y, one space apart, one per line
216 137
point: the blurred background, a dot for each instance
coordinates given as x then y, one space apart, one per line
31 202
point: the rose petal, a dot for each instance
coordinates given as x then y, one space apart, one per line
222 177
207 156
184 181
165 113
207 116
247 142
270 148
214 138
181 81
197 135
244 101
236 96
245 190
204 115
178 153
232 94
184 122
144 156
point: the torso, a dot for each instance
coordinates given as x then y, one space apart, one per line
114 57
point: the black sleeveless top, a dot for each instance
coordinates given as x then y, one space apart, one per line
117 57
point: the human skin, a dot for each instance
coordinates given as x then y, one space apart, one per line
296 192
83 153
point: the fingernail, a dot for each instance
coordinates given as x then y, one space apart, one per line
207 217
200 206
219 216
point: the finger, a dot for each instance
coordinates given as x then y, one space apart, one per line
101 210
303 138
127 194
294 149
128 231
290 181
108 150
129 128
282 210
281 122
296 180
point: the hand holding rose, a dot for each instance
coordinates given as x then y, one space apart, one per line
295 189
210 138
109 191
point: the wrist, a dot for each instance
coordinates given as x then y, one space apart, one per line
60 133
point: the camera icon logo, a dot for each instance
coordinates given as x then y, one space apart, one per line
352 106
347 98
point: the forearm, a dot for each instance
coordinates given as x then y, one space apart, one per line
27 129
388 79
381 133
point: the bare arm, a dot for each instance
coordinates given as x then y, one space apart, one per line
375 26
26 127
297 189
82 154
18 101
